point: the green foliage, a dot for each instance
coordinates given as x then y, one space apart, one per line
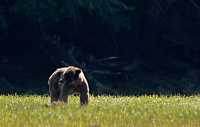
108 11
157 43
41 11
103 111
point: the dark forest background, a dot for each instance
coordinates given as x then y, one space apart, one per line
130 47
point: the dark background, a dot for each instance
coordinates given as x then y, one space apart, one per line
128 47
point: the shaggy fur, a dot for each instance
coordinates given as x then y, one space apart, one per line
66 81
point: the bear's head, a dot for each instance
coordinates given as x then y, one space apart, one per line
69 79
71 75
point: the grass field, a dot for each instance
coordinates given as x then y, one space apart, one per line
103 111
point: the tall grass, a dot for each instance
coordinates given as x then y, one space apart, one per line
102 111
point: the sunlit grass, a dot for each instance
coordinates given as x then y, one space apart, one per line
103 111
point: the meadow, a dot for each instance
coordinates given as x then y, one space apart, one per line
102 111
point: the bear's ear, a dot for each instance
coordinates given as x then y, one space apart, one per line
77 72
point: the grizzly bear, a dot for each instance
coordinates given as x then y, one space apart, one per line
66 81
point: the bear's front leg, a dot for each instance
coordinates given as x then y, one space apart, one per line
84 95
63 95
54 93
64 99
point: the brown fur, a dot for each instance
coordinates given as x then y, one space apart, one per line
66 81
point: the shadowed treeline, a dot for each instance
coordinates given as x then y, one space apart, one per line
124 46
